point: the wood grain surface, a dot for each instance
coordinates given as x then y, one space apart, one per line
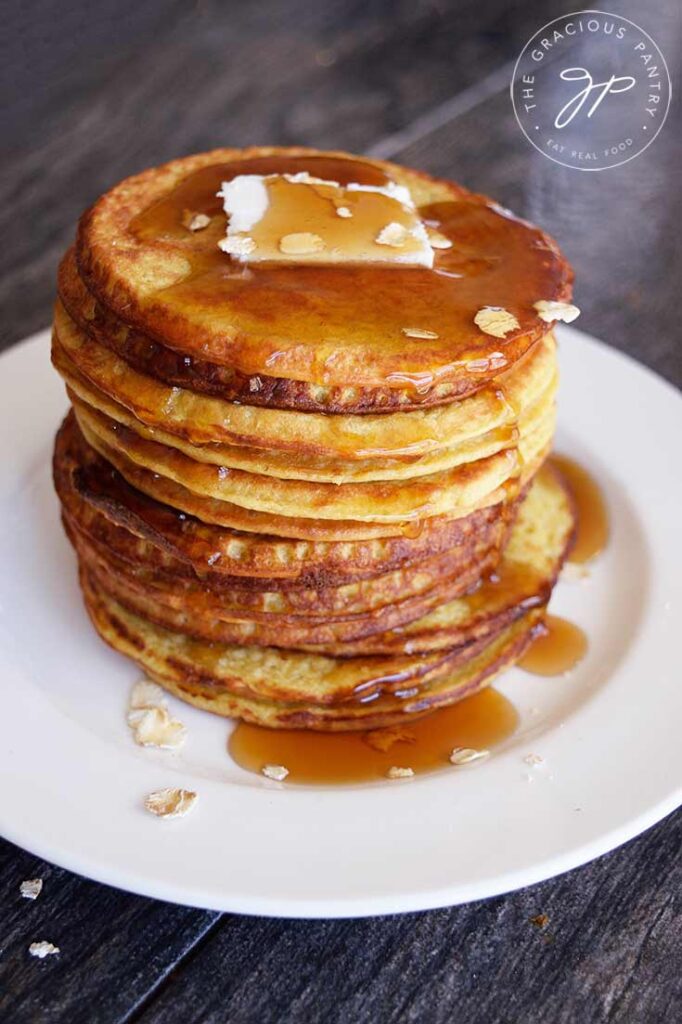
425 83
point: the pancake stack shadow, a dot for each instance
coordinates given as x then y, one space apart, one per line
296 551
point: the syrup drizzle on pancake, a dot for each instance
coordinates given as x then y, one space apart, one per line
495 260
482 721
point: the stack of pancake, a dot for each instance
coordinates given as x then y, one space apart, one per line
309 496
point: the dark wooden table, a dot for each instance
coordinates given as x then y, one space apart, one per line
99 91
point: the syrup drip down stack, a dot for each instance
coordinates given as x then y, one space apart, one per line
312 399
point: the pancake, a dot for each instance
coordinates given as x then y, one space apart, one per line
464 486
523 579
133 556
203 420
337 471
199 617
149 357
117 547
325 325
117 551
273 674
486 662
199 677
143 531
224 513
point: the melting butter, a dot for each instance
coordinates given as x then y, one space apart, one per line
298 218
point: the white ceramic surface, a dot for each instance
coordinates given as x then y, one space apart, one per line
73 782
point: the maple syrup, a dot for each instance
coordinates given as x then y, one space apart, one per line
557 648
510 584
310 208
561 645
495 260
592 515
480 721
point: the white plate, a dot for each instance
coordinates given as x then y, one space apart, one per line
72 781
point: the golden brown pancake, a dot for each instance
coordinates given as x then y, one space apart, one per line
149 357
466 486
205 616
236 517
117 548
143 531
280 675
201 419
196 674
325 325
118 553
337 471
356 624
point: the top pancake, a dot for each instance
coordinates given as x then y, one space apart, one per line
329 326
172 368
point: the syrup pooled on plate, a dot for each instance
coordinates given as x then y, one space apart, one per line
563 645
556 650
593 518
424 745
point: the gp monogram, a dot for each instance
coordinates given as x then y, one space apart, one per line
590 90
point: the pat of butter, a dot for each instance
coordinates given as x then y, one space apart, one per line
295 218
